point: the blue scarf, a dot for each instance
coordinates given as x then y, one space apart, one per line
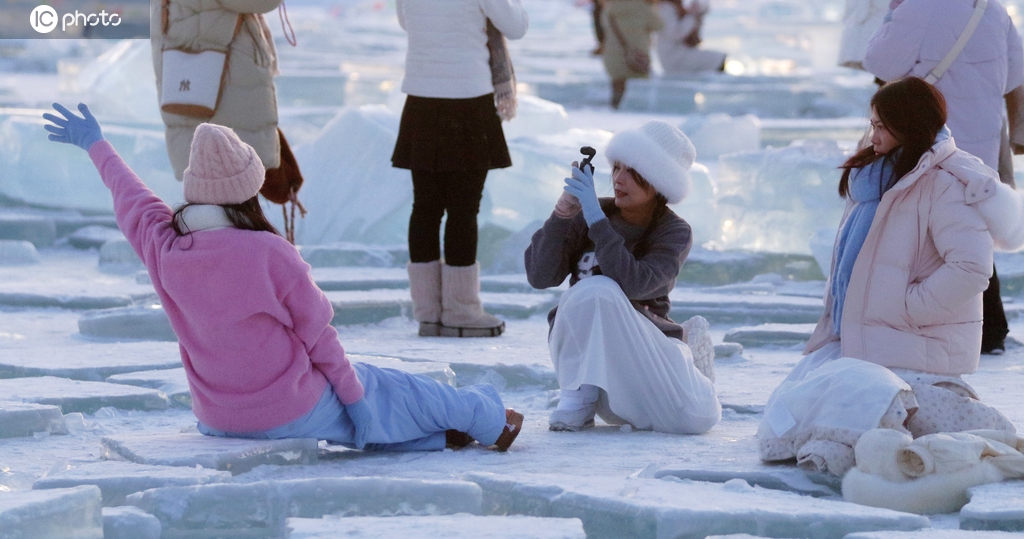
866 186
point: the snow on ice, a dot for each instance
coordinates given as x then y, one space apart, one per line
96 435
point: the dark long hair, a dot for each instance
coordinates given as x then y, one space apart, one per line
247 216
914 112
660 207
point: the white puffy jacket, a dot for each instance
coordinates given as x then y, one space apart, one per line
448 56
918 37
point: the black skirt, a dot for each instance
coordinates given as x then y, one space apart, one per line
443 135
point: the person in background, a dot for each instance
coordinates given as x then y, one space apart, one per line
599 34
449 137
248 99
860 20
679 38
616 352
915 37
261 356
628 25
902 320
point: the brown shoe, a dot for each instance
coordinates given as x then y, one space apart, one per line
513 424
455 439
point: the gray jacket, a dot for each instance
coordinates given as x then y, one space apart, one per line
645 267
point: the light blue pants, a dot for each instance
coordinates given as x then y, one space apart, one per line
410 412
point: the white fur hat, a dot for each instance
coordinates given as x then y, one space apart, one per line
660 153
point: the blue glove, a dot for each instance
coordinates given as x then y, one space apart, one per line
362 418
81 131
581 186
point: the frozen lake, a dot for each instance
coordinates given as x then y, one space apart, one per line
95 426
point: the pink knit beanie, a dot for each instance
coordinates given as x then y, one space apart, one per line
221 168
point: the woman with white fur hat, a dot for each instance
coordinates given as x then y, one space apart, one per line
616 352
260 353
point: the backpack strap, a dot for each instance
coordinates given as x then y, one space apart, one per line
935 74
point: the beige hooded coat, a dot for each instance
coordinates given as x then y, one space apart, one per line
636 19
248 101
914 298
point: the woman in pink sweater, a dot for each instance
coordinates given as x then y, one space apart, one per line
255 334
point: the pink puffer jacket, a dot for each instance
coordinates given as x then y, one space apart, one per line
914 298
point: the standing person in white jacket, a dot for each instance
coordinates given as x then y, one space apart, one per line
860 20
450 136
680 36
915 37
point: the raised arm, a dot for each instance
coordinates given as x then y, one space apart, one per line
142 216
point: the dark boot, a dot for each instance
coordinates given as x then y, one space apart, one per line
994 327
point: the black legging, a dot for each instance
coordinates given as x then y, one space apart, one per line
434 193
994 327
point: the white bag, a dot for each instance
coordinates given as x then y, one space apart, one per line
191 82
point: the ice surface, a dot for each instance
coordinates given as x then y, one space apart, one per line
80 396
25 419
787 479
39 231
67 278
117 479
42 173
777 199
749 309
117 256
997 506
86 361
69 513
17 253
359 278
454 526
171 382
709 267
143 322
191 449
717 134
770 335
93 236
682 509
353 152
932 534
351 254
262 508
129 523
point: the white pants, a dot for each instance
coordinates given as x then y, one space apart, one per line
648 379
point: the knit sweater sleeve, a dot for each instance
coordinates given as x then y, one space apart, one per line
644 277
311 315
143 217
549 257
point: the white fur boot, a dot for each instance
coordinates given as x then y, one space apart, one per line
425 289
462 314
698 338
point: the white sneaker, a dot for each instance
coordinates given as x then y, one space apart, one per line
572 420
698 338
